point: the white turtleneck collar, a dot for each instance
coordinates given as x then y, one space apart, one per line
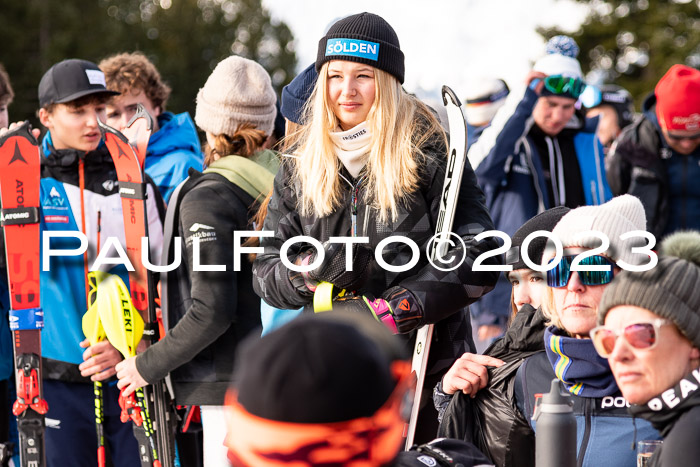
352 147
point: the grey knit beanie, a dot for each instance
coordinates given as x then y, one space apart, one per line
238 91
618 216
671 289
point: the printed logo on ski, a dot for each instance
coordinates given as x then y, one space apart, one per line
17 156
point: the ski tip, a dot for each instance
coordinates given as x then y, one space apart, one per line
106 129
448 93
24 131
141 113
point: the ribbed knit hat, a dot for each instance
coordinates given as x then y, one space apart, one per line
678 99
238 91
618 216
296 93
363 38
546 221
671 289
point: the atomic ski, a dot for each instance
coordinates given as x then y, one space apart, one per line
456 159
129 163
20 181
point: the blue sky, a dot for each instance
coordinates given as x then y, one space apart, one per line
444 41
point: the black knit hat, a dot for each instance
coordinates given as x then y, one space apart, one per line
546 220
322 368
671 289
363 38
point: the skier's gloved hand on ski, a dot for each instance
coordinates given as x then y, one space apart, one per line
333 267
397 308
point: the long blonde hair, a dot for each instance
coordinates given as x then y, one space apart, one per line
400 125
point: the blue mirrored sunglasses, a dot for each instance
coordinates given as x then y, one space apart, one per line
559 276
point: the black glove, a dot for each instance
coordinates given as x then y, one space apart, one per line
332 268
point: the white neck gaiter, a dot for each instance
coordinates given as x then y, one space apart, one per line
352 147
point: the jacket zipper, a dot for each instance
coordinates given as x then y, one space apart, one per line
540 198
586 431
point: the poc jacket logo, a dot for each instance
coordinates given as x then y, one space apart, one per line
617 402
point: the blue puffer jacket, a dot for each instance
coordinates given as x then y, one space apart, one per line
509 171
172 150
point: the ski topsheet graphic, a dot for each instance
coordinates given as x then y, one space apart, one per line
20 179
128 155
450 193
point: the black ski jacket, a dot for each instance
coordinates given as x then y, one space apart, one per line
440 294
206 313
492 420
676 414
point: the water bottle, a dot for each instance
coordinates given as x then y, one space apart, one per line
555 434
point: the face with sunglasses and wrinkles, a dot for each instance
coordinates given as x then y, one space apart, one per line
573 296
647 354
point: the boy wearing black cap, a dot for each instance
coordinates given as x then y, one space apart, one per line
79 194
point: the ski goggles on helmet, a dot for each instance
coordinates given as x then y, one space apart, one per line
558 84
561 273
641 336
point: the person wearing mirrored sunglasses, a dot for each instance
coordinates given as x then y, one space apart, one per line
570 307
657 158
538 152
650 333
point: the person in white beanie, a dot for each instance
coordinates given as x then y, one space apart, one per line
569 310
206 313
538 152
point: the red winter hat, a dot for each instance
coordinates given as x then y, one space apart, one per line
678 99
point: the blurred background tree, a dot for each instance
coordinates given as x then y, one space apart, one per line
632 43
185 39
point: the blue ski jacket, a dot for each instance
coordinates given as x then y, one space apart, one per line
510 172
172 151
63 294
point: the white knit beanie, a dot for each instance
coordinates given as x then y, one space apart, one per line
557 64
238 91
618 216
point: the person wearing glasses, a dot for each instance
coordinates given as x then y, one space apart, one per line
658 157
538 152
569 307
651 337
615 108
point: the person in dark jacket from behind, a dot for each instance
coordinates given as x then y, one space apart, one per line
651 337
657 158
283 409
208 312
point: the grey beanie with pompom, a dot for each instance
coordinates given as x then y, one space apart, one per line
671 289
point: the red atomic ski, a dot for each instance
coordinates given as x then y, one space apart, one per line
129 156
20 179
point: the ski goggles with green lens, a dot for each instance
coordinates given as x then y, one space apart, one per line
561 273
558 84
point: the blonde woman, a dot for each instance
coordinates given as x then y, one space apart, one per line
370 162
